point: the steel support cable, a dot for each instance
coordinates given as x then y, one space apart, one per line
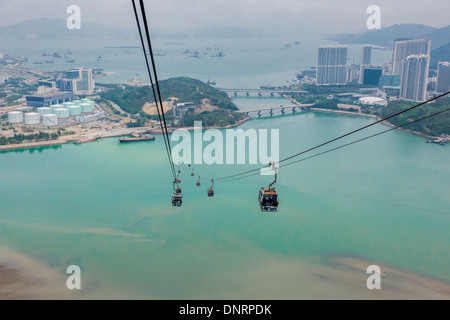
144 18
338 138
346 145
165 136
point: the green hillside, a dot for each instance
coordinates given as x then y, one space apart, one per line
132 99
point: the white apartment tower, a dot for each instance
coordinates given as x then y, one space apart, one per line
405 48
443 77
366 56
332 65
414 77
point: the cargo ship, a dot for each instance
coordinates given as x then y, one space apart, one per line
137 138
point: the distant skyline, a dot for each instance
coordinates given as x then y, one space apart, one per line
289 16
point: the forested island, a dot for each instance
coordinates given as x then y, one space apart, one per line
213 107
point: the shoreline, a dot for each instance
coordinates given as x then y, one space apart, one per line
247 118
70 139
386 123
123 132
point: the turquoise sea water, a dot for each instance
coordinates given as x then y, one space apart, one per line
106 207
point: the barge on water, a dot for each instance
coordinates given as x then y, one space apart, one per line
137 138
80 141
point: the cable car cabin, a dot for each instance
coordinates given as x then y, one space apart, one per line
268 200
198 183
211 189
177 200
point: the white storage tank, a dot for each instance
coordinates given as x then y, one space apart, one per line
32 118
62 113
74 110
87 107
56 106
44 110
50 120
68 104
15 117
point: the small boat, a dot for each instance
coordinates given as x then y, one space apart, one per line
211 82
137 138
80 141
70 60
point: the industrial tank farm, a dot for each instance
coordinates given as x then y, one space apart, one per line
53 115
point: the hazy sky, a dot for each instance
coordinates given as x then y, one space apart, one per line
318 16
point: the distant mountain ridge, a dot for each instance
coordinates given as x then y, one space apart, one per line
440 39
440 54
54 29
386 36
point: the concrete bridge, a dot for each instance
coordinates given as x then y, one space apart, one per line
294 108
259 91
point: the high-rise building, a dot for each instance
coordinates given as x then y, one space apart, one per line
443 77
352 73
332 65
405 48
79 81
414 77
366 56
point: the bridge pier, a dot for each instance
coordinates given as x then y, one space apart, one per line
293 110
247 94
259 114
235 94
271 112
282 111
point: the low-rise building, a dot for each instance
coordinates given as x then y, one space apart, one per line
49 98
373 101
180 109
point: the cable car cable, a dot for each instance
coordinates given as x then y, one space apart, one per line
338 138
144 18
153 89
347 144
